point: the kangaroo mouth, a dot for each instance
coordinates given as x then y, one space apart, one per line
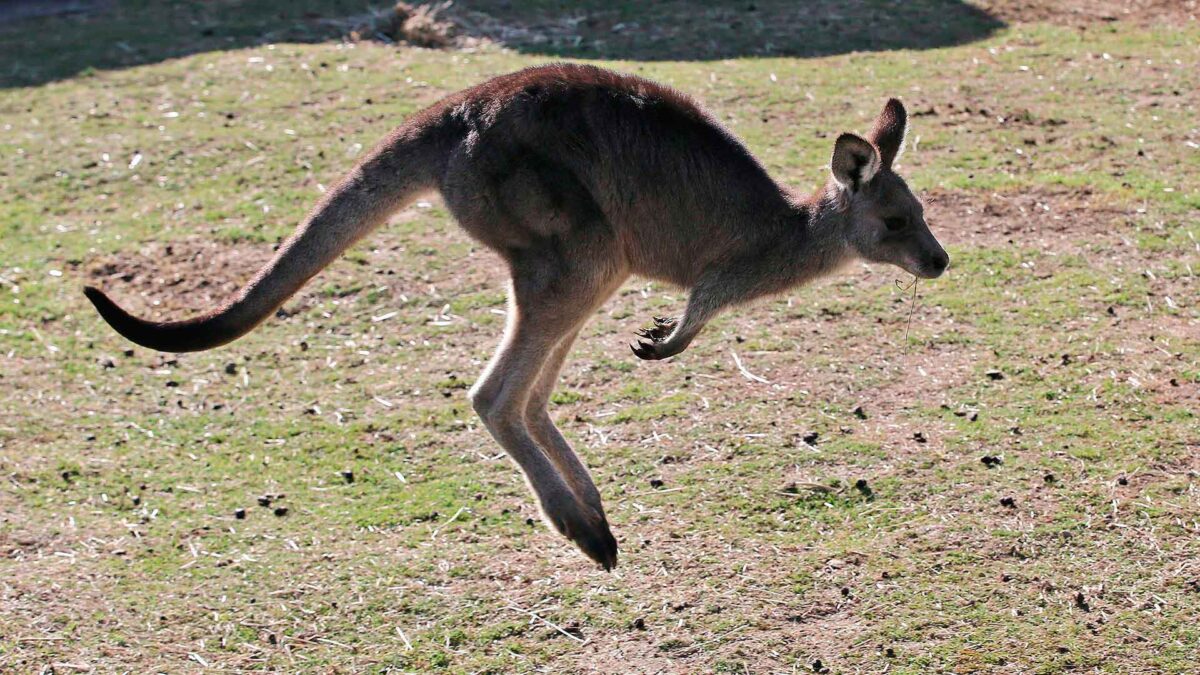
928 272
929 268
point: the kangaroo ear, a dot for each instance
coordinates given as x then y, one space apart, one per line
888 134
855 161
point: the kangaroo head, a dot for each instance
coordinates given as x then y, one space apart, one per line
885 222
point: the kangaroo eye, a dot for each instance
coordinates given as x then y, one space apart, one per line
895 224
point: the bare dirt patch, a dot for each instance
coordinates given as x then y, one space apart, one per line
1064 221
1085 12
187 275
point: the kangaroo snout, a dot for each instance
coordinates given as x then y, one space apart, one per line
935 264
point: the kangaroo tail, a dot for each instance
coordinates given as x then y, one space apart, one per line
404 165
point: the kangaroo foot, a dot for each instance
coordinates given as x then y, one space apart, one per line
588 529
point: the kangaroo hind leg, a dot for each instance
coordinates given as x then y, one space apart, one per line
551 298
550 438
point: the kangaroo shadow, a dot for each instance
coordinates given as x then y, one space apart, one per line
47 40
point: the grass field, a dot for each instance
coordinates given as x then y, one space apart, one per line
839 517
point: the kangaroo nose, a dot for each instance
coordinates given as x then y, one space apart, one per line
938 263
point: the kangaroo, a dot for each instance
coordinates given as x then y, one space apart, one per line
580 177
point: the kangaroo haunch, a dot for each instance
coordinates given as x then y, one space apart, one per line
579 177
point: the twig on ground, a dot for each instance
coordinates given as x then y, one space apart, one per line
548 623
454 517
746 373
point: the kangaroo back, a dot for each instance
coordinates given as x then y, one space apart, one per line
407 163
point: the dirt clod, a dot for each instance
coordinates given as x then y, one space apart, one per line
863 487
1082 603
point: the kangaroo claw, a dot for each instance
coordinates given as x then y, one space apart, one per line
649 348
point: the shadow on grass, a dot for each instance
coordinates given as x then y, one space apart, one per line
46 40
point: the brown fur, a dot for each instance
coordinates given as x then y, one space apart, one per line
580 177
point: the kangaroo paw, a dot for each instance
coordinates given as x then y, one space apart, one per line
650 347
